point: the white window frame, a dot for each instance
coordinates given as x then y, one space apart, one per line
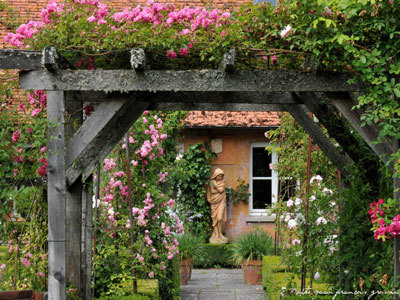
273 178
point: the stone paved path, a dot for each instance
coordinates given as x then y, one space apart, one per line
220 284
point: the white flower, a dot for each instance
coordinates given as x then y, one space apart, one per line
332 249
289 203
281 217
297 202
317 276
332 203
179 157
327 191
312 198
316 178
292 223
300 218
285 32
346 272
288 217
295 242
95 203
298 253
321 220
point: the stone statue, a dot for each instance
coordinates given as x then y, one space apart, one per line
217 197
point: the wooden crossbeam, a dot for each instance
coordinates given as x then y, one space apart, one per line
228 61
22 60
337 129
189 80
342 162
218 106
99 134
138 59
197 98
346 105
53 61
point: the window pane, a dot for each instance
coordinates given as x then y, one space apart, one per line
286 189
261 193
261 161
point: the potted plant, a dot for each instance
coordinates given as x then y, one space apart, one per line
248 251
189 250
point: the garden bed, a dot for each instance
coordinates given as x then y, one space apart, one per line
275 279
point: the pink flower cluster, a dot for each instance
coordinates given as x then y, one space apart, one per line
42 171
382 231
150 148
23 32
162 176
109 164
38 100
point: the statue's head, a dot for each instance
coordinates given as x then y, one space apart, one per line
218 174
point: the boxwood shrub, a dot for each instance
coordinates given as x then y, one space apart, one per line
215 256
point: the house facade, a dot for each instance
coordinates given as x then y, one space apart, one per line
238 139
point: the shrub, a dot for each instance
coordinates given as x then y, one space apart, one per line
252 245
130 297
189 247
270 265
170 284
215 255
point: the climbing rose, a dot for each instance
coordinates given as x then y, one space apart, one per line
183 52
171 54
286 31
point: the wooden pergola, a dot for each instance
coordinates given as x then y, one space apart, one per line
124 94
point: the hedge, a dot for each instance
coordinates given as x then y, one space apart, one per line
170 284
130 297
215 256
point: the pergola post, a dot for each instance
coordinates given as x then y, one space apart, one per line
73 201
86 248
56 195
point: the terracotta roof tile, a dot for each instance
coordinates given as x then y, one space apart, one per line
232 119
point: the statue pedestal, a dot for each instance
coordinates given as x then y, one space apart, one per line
222 240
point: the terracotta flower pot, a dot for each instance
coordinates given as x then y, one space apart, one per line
252 271
185 271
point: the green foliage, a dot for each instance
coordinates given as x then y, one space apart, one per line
170 284
253 245
149 288
189 178
353 247
189 246
131 297
215 256
241 193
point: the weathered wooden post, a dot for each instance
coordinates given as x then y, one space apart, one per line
56 195
73 201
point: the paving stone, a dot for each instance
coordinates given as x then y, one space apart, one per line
220 284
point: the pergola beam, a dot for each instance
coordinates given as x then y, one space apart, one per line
341 161
188 80
370 133
337 129
219 106
190 98
21 60
99 134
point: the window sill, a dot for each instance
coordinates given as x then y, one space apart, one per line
261 219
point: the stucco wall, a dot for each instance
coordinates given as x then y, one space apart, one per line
235 161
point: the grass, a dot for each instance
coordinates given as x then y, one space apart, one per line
283 279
